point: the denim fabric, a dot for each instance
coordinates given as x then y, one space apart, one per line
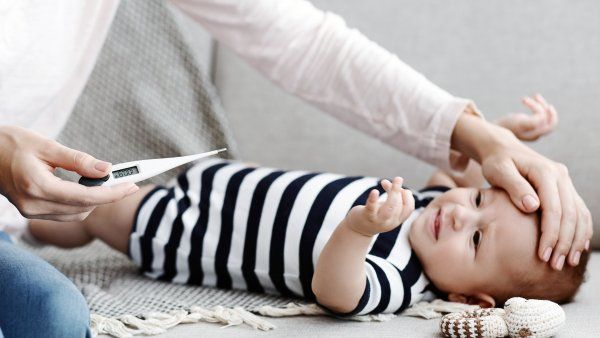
36 300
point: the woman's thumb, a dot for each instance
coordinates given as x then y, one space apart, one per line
77 161
507 176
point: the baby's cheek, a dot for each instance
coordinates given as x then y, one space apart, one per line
447 264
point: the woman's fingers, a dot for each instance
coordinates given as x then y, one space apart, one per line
82 163
583 232
551 215
28 181
70 193
50 208
504 173
568 224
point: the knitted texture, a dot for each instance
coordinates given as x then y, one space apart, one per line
476 323
533 317
519 318
147 96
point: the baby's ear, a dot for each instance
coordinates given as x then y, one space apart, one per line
481 299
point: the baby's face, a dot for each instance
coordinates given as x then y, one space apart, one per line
474 240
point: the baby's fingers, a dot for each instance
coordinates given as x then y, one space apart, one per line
540 107
540 99
386 185
536 107
372 204
394 199
553 119
409 204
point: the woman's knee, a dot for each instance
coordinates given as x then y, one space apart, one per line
36 299
63 311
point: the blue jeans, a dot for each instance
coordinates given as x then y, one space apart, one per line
36 300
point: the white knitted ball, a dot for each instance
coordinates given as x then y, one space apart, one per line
533 317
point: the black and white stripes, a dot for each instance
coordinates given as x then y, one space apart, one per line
229 225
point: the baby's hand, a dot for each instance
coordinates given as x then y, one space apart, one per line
530 127
377 217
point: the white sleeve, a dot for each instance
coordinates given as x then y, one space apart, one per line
314 55
385 291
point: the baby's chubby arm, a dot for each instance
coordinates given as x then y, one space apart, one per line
340 277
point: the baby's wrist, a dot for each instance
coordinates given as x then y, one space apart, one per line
356 229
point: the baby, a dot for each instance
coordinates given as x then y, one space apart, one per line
353 244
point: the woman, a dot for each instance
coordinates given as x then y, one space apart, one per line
308 52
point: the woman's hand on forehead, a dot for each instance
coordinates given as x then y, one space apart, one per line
566 227
533 182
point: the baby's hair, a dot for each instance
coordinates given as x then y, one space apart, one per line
543 282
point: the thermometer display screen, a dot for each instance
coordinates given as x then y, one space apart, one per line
125 172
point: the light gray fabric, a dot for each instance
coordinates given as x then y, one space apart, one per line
113 285
582 321
491 51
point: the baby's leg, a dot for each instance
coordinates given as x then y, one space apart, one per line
110 222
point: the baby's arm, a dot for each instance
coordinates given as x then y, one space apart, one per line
526 127
340 278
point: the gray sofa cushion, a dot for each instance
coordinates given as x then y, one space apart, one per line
494 52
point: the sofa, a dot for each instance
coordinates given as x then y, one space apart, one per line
491 51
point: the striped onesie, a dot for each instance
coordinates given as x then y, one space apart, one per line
230 225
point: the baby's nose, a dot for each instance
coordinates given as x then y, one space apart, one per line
461 217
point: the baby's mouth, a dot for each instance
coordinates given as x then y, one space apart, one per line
436 225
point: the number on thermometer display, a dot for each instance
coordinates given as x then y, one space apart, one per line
125 172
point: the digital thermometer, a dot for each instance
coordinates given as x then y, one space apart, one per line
136 171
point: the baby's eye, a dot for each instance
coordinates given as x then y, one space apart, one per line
478 199
476 238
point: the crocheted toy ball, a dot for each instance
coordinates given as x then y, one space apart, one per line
477 323
533 317
520 318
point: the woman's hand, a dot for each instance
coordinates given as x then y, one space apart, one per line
27 162
376 217
530 127
532 181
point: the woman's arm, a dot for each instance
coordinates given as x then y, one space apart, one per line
340 279
315 56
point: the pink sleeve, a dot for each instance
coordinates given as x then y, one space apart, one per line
315 56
